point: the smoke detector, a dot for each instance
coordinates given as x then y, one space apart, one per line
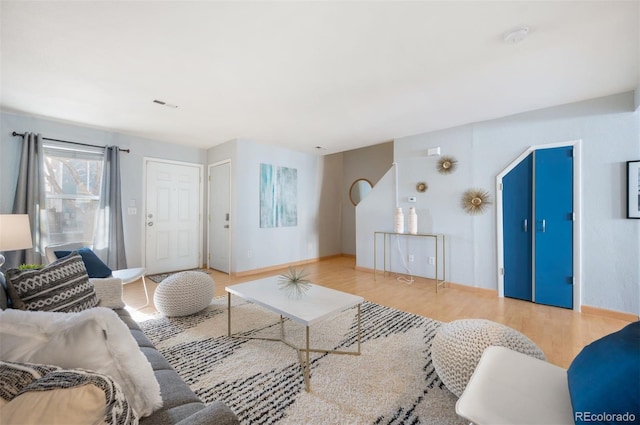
517 35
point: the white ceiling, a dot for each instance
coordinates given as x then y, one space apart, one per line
341 75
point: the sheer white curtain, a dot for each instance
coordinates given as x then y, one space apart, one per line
108 242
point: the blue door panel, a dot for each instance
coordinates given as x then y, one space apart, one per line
517 230
553 192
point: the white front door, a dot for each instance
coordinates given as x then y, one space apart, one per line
219 218
172 216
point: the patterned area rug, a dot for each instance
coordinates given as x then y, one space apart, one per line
157 278
392 382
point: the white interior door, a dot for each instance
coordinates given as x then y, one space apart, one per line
172 217
219 210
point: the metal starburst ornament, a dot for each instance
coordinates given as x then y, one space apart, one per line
476 201
294 283
447 164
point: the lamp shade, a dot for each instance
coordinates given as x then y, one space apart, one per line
15 232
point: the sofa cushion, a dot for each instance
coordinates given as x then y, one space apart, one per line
94 265
109 292
47 394
141 338
174 390
94 339
218 410
604 379
157 360
179 414
61 286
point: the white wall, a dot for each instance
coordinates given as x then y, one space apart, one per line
610 130
319 190
317 233
131 165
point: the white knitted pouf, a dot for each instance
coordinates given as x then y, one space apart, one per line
458 345
184 293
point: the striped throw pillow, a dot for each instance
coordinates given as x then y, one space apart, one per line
34 393
61 286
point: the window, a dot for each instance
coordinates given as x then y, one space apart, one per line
73 179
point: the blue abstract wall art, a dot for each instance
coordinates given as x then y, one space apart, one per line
278 196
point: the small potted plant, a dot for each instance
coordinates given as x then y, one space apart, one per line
30 266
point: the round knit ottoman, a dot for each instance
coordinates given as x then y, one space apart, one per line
458 345
184 293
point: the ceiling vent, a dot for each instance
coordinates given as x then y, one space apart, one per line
161 102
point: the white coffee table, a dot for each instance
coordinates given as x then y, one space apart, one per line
317 304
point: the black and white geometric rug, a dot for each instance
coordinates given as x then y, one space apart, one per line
392 382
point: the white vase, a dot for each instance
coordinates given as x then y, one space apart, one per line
413 221
399 221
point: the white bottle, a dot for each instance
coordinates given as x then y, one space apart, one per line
413 221
399 221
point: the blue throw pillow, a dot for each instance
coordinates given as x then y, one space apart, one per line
604 379
95 267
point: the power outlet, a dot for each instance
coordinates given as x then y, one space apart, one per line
411 258
432 261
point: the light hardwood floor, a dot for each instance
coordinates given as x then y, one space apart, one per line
560 333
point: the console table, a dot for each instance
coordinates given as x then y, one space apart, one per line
438 239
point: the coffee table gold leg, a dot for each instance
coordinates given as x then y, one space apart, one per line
307 365
281 327
306 361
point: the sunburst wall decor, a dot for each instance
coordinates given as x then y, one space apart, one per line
447 164
476 201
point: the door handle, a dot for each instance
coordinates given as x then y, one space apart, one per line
543 222
150 223
525 225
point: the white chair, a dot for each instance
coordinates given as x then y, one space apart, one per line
125 275
512 388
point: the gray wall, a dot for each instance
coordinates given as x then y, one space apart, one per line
610 132
319 204
131 167
369 163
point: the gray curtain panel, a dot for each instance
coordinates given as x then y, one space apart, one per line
30 199
108 243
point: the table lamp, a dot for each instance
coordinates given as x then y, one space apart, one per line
15 234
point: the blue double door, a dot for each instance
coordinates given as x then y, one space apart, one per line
538 228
